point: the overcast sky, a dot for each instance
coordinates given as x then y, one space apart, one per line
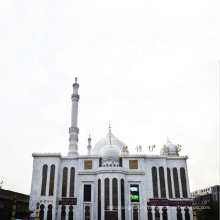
149 68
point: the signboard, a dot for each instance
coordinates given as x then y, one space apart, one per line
68 201
180 203
166 202
158 202
134 193
133 164
88 164
111 215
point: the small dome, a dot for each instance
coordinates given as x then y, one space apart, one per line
110 152
169 148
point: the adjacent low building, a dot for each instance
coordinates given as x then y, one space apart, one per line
109 182
205 195
8 199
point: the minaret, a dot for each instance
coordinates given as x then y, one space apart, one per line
74 130
89 147
109 135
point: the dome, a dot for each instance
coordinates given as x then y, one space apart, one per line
99 147
169 148
110 152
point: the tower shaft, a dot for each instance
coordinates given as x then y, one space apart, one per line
74 130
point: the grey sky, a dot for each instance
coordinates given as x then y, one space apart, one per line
149 68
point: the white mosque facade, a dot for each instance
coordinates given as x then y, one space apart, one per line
109 183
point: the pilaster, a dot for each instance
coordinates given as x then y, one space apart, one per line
180 183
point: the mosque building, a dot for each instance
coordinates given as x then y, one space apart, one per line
109 183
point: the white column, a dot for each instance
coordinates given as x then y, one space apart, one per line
187 182
158 183
67 212
183 213
160 211
180 183
191 213
168 212
153 213
48 180
166 183
172 183
45 211
119 198
59 212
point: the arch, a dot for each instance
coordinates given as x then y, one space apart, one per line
115 194
72 181
70 213
183 181
164 213
162 182
63 212
169 183
157 213
179 213
149 213
64 185
52 175
187 215
122 199
49 212
176 183
44 180
41 216
135 212
154 181
99 199
107 194
87 213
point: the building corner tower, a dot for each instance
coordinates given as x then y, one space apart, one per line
74 130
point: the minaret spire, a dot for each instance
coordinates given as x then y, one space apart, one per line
89 147
110 141
74 130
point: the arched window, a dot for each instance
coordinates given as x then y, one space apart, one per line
72 181
63 212
99 199
162 182
135 213
87 213
164 213
115 193
70 212
41 212
49 212
52 175
149 213
64 186
122 200
179 214
176 183
183 181
169 183
157 213
107 194
154 180
44 180
187 216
